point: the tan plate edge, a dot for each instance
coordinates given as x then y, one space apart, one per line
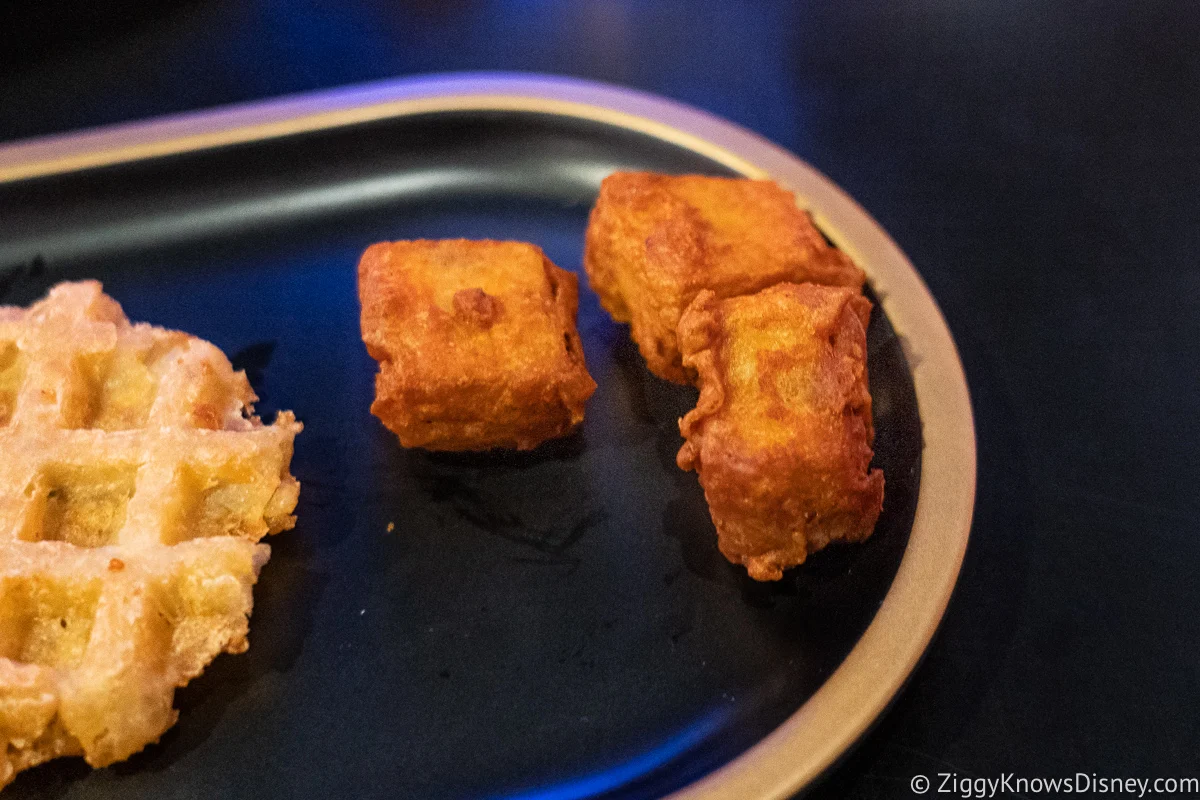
289 116
845 706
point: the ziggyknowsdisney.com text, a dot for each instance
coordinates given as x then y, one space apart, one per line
1079 783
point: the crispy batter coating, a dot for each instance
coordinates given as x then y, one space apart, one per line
781 436
476 343
135 485
655 241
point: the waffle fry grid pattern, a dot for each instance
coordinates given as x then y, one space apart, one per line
135 485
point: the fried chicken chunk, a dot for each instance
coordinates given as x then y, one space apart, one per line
781 436
655 241
476 343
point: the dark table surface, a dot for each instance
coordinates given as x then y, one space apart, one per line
1038 162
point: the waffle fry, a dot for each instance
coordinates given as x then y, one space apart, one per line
134 487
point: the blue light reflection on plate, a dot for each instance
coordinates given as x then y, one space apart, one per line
597 783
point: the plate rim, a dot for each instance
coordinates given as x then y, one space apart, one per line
857 693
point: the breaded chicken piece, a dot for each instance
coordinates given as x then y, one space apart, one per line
655 241
781 436
476 343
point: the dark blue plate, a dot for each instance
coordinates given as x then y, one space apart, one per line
557 624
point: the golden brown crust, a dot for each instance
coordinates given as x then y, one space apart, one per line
654 241
476 343
781 435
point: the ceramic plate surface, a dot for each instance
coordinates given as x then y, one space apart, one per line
557 624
